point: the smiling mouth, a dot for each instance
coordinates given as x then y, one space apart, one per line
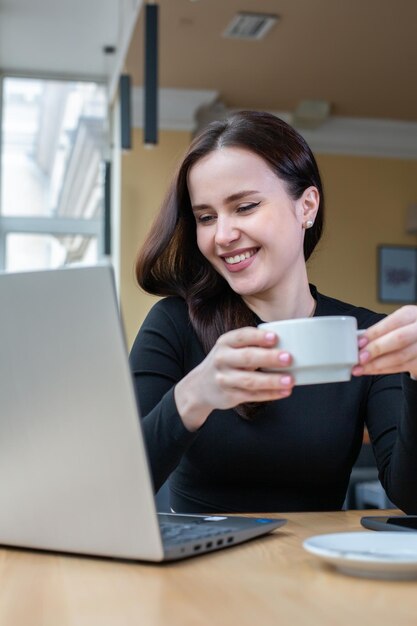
238 258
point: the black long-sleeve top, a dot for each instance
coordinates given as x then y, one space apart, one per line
296 455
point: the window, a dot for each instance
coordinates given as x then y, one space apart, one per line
53 142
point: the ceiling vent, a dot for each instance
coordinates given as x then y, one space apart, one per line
250 25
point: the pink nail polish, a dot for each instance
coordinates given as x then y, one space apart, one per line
284 357
362 342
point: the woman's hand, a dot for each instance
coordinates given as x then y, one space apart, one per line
390 346
230 375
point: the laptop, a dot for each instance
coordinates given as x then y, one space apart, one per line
74 474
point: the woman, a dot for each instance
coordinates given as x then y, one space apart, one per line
242 216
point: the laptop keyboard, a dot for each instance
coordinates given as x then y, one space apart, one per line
180 533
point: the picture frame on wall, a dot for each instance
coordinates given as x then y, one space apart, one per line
397 274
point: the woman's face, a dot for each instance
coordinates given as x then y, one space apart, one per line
248 226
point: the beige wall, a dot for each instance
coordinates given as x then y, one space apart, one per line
146 173
366 200
366 203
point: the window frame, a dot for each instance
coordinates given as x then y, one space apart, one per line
48 225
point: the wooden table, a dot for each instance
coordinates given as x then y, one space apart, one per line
269 581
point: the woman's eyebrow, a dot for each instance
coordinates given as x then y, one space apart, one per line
232 198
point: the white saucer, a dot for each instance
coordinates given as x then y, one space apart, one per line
371 554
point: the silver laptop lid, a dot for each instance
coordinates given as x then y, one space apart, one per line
73 469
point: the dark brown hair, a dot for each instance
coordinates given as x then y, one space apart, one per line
170 263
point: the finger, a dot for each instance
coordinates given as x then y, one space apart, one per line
359 370
254 381
401 317
251 358
394 362
248 336
262 396
398 339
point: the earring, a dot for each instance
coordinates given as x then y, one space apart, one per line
308 224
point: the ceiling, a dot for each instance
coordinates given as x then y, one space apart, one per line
58 37
359 55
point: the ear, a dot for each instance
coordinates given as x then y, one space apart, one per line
309 205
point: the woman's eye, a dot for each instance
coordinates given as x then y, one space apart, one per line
205 219
248 207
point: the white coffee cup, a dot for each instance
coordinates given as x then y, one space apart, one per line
323 349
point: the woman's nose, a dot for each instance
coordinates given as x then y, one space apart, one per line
226 232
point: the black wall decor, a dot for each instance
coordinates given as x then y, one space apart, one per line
125 90
151 75
107 209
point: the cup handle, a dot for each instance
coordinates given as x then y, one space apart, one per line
361 332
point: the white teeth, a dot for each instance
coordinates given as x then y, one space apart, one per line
231 260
